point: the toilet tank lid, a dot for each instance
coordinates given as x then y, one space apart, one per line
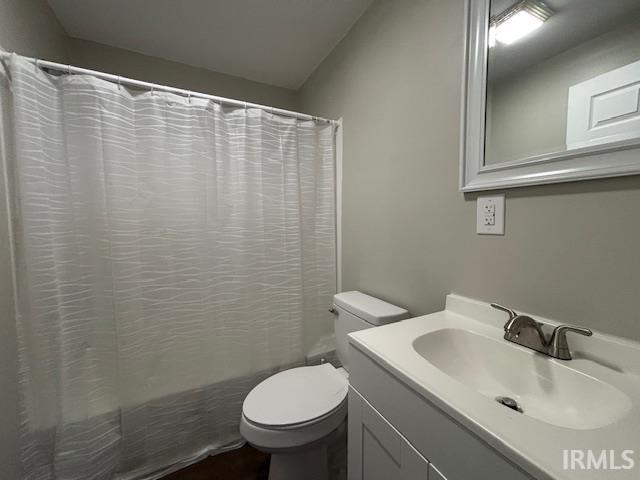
370 309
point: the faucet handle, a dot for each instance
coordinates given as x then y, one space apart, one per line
558 346
563 329
511 313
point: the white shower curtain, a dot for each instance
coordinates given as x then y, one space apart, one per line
169 253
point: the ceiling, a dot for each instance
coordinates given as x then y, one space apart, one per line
278 42
574 22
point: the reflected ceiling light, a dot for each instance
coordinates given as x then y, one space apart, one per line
517 22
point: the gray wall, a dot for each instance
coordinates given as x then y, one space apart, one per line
103 58
529 109
570 251
30 28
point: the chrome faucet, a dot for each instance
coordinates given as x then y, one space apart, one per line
525 331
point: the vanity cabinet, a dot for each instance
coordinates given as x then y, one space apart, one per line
396 433
377 451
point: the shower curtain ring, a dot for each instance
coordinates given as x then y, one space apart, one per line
68 69
119 82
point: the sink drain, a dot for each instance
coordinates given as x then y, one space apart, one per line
509 403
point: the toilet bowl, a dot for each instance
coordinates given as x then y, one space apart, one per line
295 414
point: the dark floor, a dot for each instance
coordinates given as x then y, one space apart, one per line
246 463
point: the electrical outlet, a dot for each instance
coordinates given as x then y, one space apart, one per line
489 220
490 215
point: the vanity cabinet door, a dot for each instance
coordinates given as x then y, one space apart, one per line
376 450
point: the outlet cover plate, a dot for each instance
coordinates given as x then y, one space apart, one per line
490 215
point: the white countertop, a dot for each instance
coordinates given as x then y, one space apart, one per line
536 446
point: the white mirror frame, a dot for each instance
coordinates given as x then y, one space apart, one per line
610 160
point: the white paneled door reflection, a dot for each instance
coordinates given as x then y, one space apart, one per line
605 109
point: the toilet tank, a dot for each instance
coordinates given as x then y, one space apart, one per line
358 311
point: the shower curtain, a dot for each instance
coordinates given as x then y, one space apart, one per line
169 253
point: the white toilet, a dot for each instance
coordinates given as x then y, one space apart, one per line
295 414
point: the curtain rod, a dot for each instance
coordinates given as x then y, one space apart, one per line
69 69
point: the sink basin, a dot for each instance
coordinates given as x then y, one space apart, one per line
457 361
545 389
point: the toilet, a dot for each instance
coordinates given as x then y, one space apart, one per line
295 414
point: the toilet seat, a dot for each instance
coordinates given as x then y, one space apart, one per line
295 408
296 397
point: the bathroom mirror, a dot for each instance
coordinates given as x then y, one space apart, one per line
552 92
